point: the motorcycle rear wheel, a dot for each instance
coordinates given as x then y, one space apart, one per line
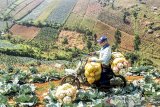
123 81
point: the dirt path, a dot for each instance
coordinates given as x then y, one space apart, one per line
42 90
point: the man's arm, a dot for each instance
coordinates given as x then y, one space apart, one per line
94 53
105 58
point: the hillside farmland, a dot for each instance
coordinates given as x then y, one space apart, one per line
43 41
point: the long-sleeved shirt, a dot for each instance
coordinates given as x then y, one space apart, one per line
104 55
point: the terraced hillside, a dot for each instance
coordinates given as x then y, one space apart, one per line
39 39
46 18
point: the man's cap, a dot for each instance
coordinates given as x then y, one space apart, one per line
102 39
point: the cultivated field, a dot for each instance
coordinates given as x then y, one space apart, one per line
27 9
47 11
24 32
62 11
94 9
74 20
5 3
80 7
37 11
20 7
12 7
104 29
74 39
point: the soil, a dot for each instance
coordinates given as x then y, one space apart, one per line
126 39
74 39
42 90
24 32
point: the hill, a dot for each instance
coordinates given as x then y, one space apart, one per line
39 23
40 38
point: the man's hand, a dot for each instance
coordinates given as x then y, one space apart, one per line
89 60
92 53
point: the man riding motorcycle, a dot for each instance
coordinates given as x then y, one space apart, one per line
105 54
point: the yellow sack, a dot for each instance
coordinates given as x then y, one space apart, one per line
92 71
97 73
89 67
90 80
92 67
97 77
117 55
92 74
118 60
86 73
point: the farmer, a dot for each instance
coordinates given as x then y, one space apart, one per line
104 59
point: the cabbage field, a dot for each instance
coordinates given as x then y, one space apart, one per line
12 6
18 88
4 24
21 6
62 11
27 9
5 44
36 12
81 7
5 3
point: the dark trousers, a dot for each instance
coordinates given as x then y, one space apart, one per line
106 75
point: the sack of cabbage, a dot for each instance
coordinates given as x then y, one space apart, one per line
92 72
66 93
118 62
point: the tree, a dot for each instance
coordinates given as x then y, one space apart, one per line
117 37
89 44
65 41
75 52
38 24
137 42
7 27
114 47
125 16
113 4
133 57
95 39
135 14
88 32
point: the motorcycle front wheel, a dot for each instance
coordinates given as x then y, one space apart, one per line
71 80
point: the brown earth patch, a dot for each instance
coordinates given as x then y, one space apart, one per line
2 66
80 7
94 9
42 90
24 32
105 29
74 39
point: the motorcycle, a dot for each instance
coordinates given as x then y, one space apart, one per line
77 78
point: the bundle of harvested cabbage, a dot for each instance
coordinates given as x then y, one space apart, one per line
66 93
118 62
92 72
